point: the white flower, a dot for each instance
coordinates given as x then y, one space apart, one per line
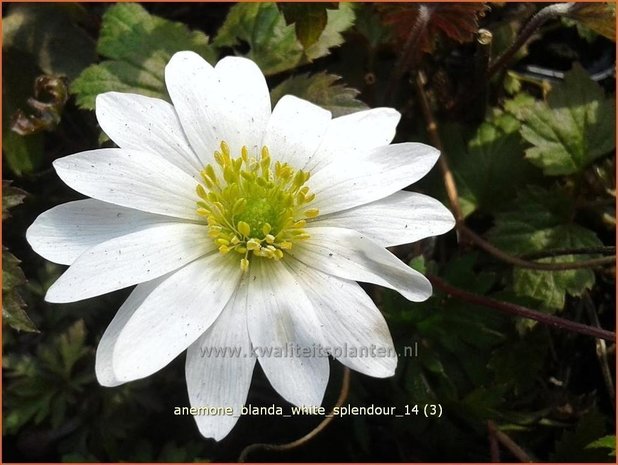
243 228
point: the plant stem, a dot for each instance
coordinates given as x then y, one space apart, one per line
507 442
524 312
453 196
570 251
601 347
436 141
549 12
410 48
343 395
521 263
494 448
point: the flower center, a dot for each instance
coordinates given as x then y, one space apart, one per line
254 206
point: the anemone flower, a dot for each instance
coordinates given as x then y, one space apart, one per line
244 228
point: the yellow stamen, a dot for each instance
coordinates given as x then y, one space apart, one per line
255 206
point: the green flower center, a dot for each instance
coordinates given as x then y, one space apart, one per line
254 207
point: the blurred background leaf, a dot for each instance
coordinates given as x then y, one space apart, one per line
136 46
541 221
51 34
309 19
321 89
272 43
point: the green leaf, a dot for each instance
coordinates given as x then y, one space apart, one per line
321 89
492 168
574 128
309 20
483 402
541 221
11 197
71 345
418 264
14 313
13 305
272 43
12 275
138 46
116 76
519 105
50 34
43 387
519 363
572 446
369 25
606 442
550 287
23 154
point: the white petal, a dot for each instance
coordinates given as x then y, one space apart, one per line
64 232
230 102
146 124
280 317
131 179
378 173
131 259
400 218
350 322
221 380
295 130
192 84
103 362
354 134
350 255
244 108
144 338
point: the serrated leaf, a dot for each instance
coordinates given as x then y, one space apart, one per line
519 105
14 313
138 46
49 33
575 127
272 43
42 387
116 76
71 345
339 21
13 305
309 19
541 221
492 168
321 89
606 442
550 287
572 445
12 275
457 21
11 197
598 16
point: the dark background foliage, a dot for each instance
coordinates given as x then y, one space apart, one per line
531 148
